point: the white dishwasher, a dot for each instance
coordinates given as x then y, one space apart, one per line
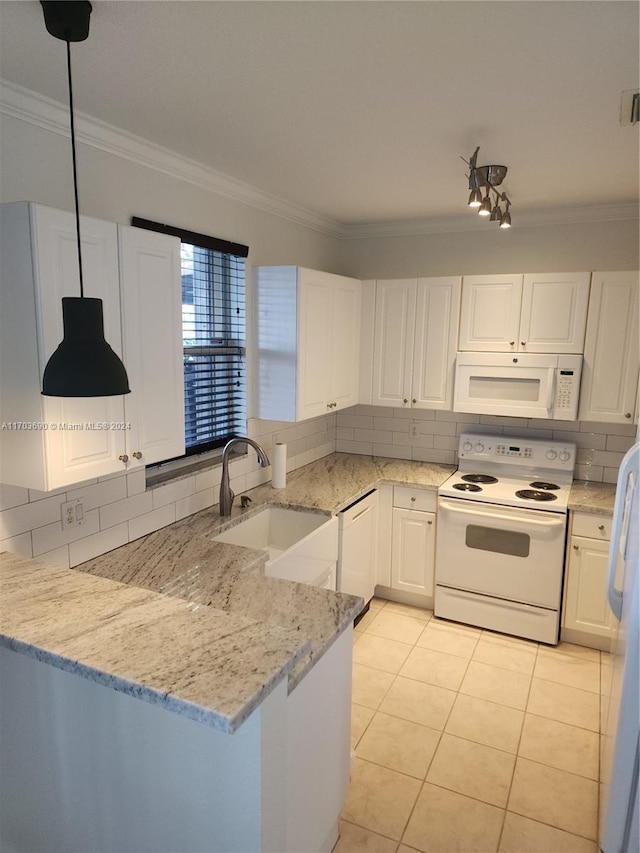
357 538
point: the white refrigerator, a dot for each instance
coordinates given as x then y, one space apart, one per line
619 827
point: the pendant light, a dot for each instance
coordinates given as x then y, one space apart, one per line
84 365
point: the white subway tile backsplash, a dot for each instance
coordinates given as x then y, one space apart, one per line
99 494
37 495
56 557
360 447
459 417
414 414
195 503
446 442
98 543
379 436
25 517
438 428
394 450
610 475
483 429
209 479
393 424
500 421
54 535
427 454
621 443
588 440
345 433
136 482
593 473
357 421
531 433
11 496
144 524
116 513
169 492
610 429
20 545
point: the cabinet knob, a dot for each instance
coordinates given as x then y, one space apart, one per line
414 401
137 454
413 500
601 527
405 400
430 521
627 414
576 547
523 343
124 458
512 343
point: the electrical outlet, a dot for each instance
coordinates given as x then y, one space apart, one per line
413 429
72 513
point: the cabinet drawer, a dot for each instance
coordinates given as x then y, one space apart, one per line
593 526
411 498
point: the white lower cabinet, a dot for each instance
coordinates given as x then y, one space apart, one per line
587 618
358 532
61 441
407 546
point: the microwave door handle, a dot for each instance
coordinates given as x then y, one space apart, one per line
551 393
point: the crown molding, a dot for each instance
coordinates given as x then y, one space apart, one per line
522 219
36 109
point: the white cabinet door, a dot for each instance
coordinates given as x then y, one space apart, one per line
357 551
345 342
152 330
612 350
393 346
315 308
586 605
554 312
412 560
71 440
434 350
490 313
308 342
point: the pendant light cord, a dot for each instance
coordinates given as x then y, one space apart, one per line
75 170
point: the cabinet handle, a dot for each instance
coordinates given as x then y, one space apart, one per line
124 458
627 414
136 454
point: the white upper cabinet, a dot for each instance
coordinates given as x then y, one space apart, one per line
612 350
414 345
152 337
542 313
63 441
308 349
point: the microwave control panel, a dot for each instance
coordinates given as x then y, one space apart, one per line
567 387
478 447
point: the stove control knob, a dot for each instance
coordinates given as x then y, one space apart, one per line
551 454
479 447
565 456
467 446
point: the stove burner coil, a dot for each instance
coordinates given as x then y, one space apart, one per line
467 487
544 487
535 495
479 478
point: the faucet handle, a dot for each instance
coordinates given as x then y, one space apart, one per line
245 500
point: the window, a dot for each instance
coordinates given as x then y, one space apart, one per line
213 335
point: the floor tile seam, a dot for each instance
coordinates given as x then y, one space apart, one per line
503 704
396 717
551 825
464 794
428 683
374 831
562 684
554 652
559 769
515 763
563 722
497 666
480 743
420 779
440 651
388 639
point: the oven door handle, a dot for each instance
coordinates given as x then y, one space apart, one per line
549 520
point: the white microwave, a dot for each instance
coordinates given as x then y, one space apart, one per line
524 385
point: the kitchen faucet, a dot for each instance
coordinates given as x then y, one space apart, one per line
226 494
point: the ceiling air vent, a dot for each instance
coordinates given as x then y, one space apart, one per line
630 107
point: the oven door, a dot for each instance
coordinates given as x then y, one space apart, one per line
509 553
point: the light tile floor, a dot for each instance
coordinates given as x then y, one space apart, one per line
470 741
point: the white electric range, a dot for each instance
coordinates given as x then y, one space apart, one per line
502 522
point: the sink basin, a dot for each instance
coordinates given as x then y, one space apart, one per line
302 546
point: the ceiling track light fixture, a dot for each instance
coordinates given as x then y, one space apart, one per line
488 178
83 365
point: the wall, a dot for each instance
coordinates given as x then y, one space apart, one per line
486 249
118 509
383 431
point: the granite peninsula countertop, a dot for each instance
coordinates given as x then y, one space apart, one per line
114 617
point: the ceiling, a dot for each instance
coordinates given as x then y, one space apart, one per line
359 111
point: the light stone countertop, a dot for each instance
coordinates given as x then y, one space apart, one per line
107 622
595 498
